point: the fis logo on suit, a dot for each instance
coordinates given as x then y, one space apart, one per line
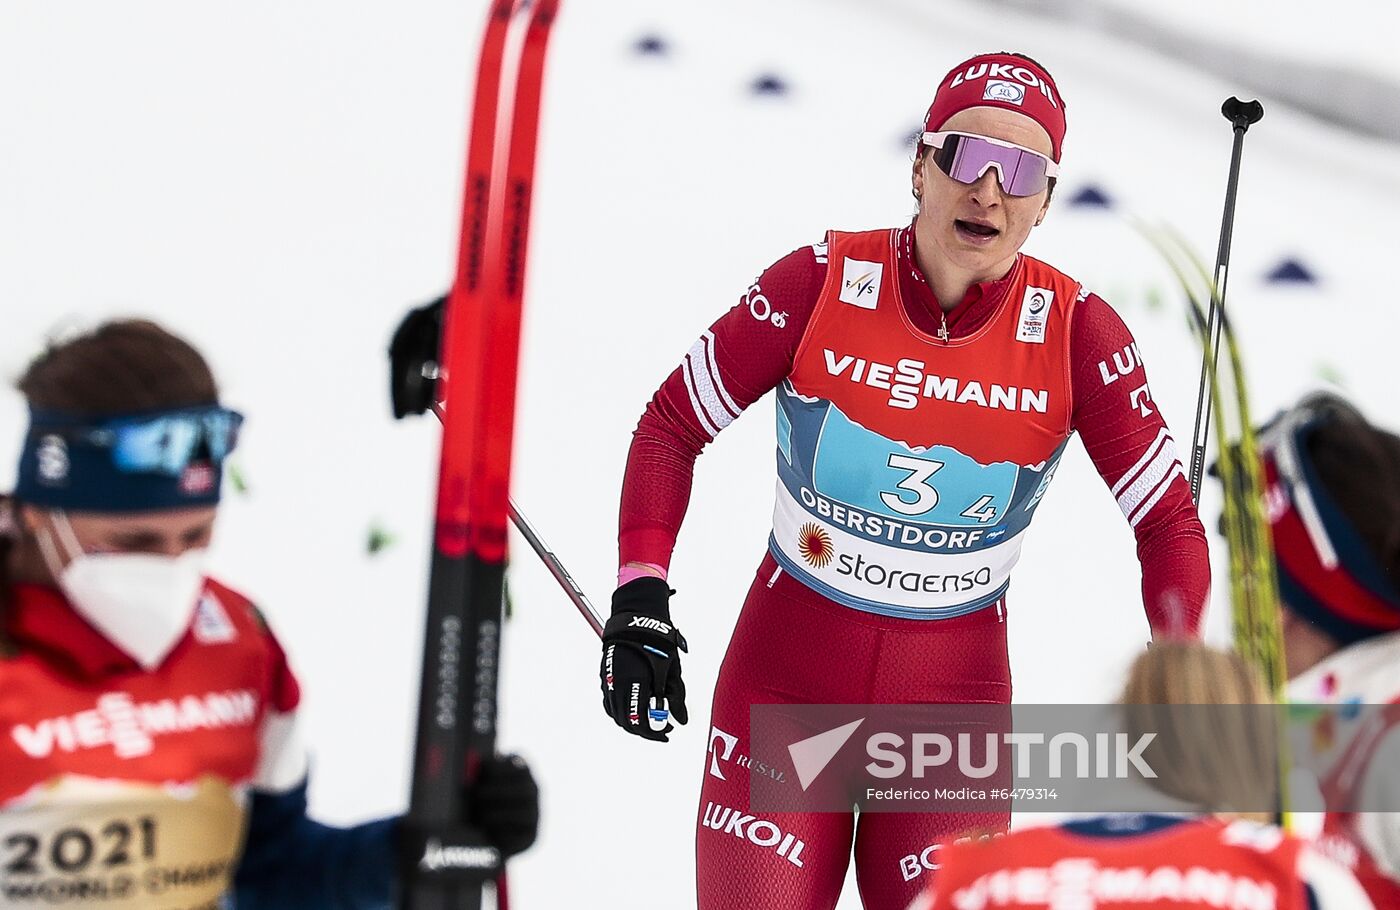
860 283
863 285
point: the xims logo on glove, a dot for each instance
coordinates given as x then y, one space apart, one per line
641 669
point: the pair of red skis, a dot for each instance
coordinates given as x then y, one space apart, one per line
446 864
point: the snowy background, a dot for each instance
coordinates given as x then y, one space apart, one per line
278 181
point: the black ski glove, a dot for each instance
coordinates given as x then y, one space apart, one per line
641 669
503 803
502 809
413 359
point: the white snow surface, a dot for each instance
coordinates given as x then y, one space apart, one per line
1352 35
279 181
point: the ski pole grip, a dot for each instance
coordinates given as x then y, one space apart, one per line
1242 114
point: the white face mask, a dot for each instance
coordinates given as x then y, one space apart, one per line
143 603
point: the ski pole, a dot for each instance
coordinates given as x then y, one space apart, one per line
551 562
556 568
1241 114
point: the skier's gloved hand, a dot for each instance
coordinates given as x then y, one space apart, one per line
413 359
503 803
502 818
641 669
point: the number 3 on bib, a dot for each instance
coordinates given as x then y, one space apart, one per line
925 496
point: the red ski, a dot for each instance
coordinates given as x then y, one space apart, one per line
446 863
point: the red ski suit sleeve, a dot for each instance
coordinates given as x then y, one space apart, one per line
750 349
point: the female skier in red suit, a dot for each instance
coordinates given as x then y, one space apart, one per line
928 379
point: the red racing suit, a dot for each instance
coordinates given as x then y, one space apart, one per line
178 788
913 448
1138 862
123 788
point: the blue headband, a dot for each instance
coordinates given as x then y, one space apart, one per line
144 462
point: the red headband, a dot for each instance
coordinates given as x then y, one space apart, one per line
1005 81
1325 579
